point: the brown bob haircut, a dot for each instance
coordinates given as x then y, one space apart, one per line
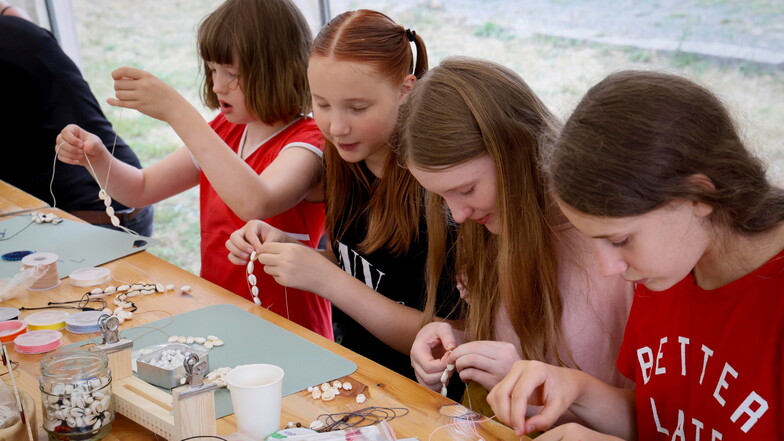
270 42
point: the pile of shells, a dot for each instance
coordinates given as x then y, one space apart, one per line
78 408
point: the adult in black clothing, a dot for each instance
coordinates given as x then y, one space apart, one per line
43 92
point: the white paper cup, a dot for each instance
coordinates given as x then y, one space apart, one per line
255 395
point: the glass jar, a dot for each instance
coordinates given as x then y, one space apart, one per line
76 394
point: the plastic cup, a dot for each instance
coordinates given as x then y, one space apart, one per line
256 395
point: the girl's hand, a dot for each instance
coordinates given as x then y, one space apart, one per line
485 362
143 91
535 383
73 144
244 241
576 432
295 265
432 342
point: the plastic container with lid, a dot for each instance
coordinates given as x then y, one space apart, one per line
76 395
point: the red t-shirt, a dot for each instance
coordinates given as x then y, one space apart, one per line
305 221
708 364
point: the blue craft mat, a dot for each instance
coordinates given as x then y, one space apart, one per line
248 339
76 244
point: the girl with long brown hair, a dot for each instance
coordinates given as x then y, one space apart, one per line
259 158
362 67
472 133
651 167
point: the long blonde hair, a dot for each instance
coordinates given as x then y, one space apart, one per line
461 110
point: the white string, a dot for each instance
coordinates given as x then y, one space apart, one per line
108 171
51 182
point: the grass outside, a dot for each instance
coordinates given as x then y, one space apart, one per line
159 37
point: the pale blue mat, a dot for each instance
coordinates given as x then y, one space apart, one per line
248 339
77 244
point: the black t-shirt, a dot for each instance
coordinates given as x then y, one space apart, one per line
401 279
43 91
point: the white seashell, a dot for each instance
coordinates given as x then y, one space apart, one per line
88 400
96 291
98 395
68 389
79 421
200 340
254 290
159 287
347 386
361 398
170 287
310 388
212 338
445 376
450 367
186 288
208 345
250 267
108 201
109 289
96 407
328 396
252 279
89 420
38 220
325 387
182 339
183 380
70 421
337 384
97 425
254 255
102 194
52 399
78 402
123 288
104 381
316 425
443 391
217 343
173 338
190 340
58 388
147 292
257 301
315 393
110 211
335 391
94 383
106 401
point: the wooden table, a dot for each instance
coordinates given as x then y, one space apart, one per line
385 388
15 201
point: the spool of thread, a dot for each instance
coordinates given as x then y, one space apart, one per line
8 314
38 342
53 320
84 322
47 263
90 276
11 329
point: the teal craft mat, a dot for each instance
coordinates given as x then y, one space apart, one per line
248 339
77 245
